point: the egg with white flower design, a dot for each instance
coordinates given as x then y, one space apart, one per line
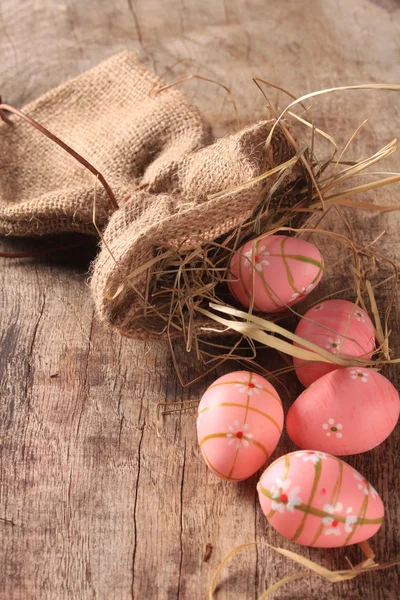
239 423
347 411
275 271
338 326
316 499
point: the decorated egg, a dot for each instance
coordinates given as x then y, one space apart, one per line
276 270
316 499
239 423
347 411
338 326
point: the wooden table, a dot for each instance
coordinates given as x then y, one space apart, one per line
93 504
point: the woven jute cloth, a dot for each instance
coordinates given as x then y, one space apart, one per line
156 152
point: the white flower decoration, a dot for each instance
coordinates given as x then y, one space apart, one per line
329 508
304 290
333 345
283 497
332 427
238 435
350 520
248 386
258 260
360 316
331 524
312 455
297 294
364 485
360 374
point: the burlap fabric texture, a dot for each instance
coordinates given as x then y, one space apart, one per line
157 153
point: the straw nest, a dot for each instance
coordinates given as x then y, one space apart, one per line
187 291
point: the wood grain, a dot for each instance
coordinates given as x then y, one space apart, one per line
93 504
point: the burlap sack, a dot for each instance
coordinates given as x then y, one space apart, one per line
156 153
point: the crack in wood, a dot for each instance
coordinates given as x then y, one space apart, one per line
28 379
86 377
178 594
257 574
134 512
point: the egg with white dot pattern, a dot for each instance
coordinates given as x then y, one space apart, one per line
347 411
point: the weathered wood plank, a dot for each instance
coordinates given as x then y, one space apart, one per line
93 504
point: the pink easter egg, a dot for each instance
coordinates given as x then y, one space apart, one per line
347 411
276 270
338 326
315 499
239 423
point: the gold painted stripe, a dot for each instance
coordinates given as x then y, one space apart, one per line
212 436
317 276
225 435
219 472
316 512
267 288
269 291
361 515
245 418
287 268
251 408
317 535
332 500
241 260
262 389
287 467
249 296
234 462
317 476
259 445
301 258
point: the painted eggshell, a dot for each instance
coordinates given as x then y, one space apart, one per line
316 499
277 270
339 326
347 411
239 423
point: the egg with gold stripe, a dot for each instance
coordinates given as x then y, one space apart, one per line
274 271
315 499
239 423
